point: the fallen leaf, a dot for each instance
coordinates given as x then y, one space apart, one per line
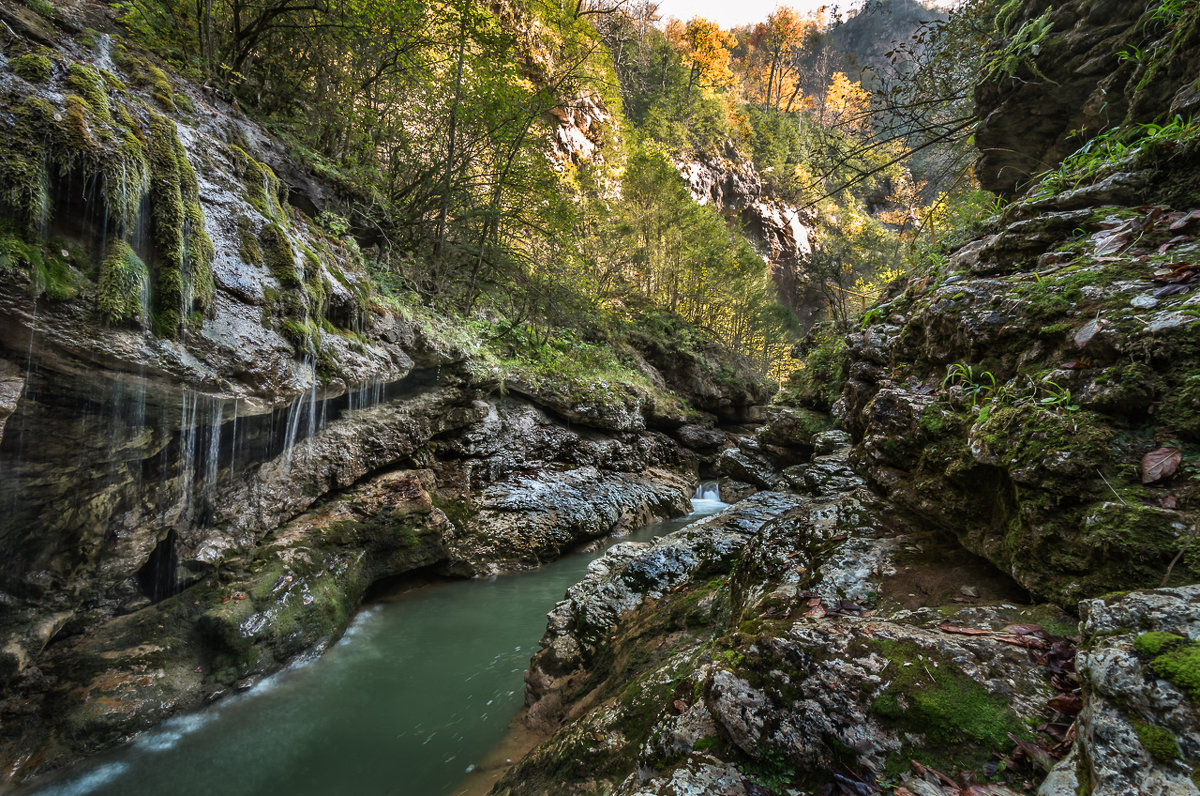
816 612
1113 241
1089 331
1185 221
1070 704
1169 502
597 737
966 631
754 789
1025 630
1023 641
1160 464
814 601
680 705
1036 753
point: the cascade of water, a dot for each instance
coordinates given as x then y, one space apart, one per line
212 462
187 448
233 447
708 490
293 428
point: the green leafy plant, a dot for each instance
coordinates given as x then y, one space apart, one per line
974 385
1057 396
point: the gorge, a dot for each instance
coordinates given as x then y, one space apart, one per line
302 370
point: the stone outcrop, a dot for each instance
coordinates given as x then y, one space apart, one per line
782 233
1075 85
772 644
1139 731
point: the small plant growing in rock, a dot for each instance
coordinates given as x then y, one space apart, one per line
972 384
1058 396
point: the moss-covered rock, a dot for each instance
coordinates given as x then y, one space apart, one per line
185 252
34 67
124 284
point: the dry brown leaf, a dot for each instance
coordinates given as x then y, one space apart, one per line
1023 641
1089 332
1160 464
1070 704
1185 221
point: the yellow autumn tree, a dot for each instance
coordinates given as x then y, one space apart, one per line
775 46
846 104
705 47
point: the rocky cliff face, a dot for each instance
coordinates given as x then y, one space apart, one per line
782 233
1076 48
214 438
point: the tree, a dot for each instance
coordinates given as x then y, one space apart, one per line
705 48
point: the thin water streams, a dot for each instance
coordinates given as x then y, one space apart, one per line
412 699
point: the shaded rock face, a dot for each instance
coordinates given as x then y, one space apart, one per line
782 232
1076 85
772 640
1012 398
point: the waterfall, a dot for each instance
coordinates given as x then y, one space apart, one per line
707 497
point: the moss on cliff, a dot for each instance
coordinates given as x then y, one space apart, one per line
185 252
34 67
124 280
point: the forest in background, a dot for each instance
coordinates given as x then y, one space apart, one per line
435 122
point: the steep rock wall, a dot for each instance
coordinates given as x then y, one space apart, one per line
782 233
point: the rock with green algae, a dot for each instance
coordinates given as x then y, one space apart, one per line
1139 731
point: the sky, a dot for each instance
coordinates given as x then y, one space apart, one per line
728 13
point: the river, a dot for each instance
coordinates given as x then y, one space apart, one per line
421 688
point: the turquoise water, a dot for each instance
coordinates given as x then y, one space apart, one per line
410 701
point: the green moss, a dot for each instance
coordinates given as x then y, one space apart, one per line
279 256
959 719
34 67
263 189
92 88
1160 743
185 251
124 279
160 87
248 246
51 274
1156 643
1180 408
1181 666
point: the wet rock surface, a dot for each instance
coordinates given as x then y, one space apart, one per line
767 644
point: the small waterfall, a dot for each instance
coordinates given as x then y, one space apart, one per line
213 460
707 492
189 404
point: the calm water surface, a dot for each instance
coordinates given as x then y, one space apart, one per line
408 702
